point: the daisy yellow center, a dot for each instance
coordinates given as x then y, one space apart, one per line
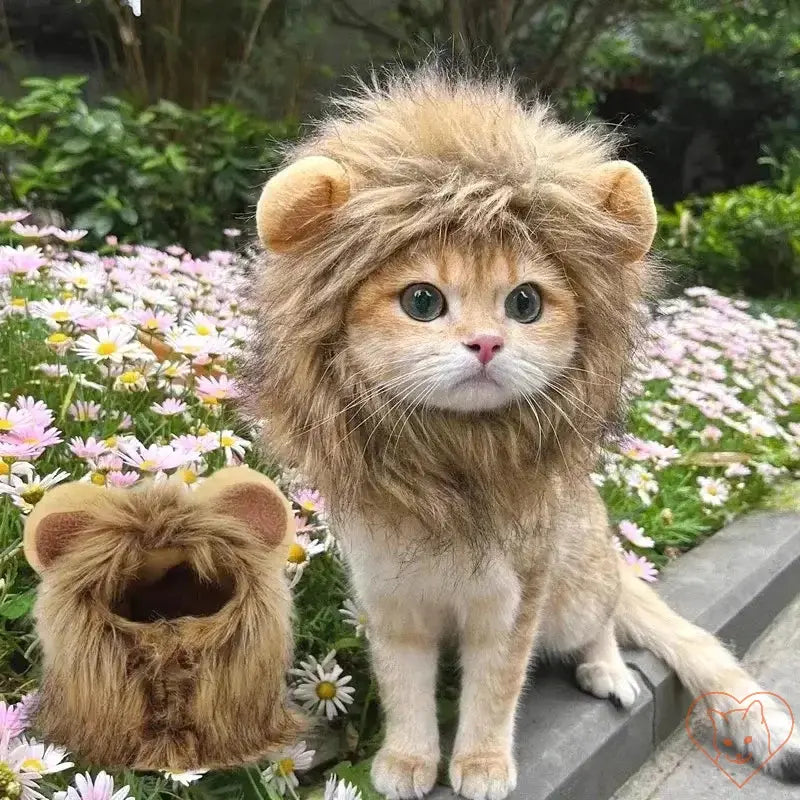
4 468
308 506
326 690
227 441
147 464
188 476
712 490
210 401
57 338
98 479
32 495
171 372
61 316
81 282
30 440
106 348
151 324
33 765
18 302
10 787
131 376
203 330
111 441
297 554
5 425
66 295
286 766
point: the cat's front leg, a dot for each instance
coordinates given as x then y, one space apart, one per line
497 636
404 641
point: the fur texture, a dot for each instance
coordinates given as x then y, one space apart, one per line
165 625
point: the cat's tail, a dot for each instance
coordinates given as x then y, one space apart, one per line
704 665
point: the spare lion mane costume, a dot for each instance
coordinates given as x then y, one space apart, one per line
165 621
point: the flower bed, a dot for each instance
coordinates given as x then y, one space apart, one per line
116 368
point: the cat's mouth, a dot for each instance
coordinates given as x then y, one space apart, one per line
477 380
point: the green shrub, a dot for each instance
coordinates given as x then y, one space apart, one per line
158 175
742 241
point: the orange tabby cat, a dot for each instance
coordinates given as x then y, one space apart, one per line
448 300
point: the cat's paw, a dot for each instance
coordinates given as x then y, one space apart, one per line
483 775
616 682
399 776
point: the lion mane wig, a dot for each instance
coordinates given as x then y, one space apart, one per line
165 621
435 156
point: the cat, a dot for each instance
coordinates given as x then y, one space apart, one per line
447 304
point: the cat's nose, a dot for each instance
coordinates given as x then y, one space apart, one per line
486 346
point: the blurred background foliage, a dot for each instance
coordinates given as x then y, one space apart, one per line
166 135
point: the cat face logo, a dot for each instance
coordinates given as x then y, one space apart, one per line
749 716
722 721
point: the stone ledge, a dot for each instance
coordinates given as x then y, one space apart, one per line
574 747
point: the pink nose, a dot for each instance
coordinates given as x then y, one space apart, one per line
485 347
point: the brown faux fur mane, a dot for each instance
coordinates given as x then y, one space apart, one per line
166 632
432 156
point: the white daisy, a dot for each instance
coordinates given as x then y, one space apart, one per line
713 491
131 380
185 778
99 788
108 344
322 686
233 444
340 790
14 781
353 616
44 759
281 772
301 551
28 490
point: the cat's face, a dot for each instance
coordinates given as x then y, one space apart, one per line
464 329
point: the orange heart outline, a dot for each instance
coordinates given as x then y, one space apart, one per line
739 703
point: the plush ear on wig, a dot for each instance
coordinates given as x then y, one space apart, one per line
58 520
299 199
626 195
251 498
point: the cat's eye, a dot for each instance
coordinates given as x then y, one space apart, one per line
524 303
422 301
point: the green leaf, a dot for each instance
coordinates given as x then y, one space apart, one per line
129 215
76 145
348 643
17 606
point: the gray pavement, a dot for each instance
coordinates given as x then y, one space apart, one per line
678 771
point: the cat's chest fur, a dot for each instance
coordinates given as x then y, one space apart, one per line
393 561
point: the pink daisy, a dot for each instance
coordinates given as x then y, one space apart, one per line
89 448
169 407
641 567
101 788
634 534
37 435
36 409
154 458
215 389
120 479
12 720
310 501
